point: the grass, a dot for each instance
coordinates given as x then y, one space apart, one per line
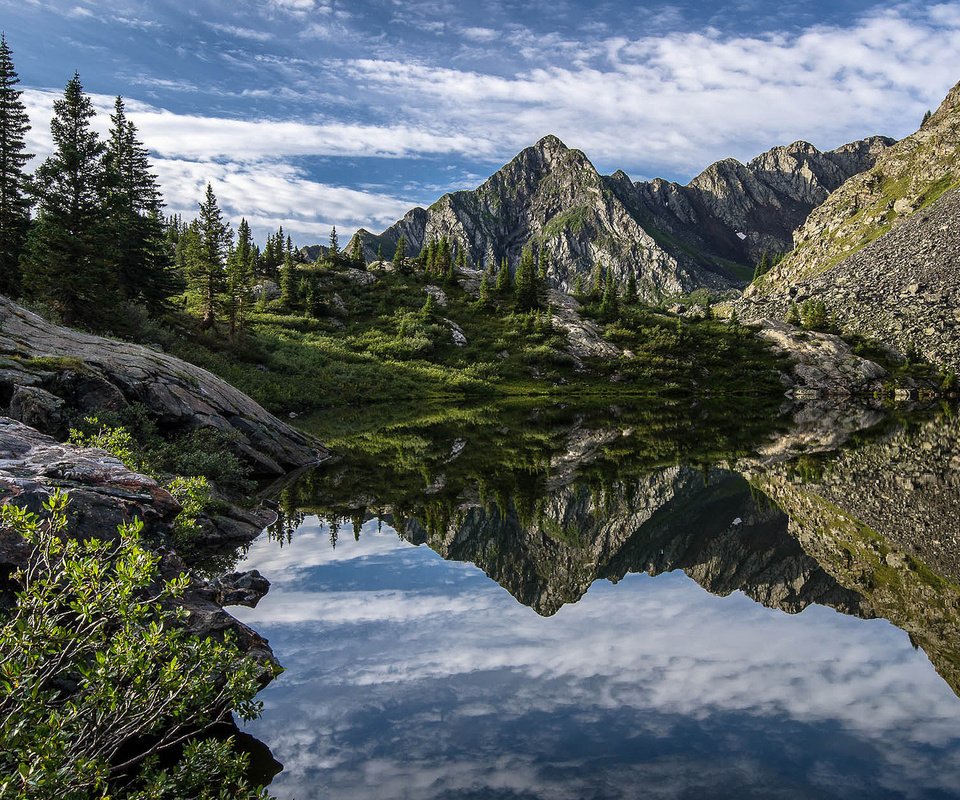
365 344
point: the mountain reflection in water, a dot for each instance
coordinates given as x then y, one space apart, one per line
411 674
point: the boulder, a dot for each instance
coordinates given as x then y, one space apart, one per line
91 373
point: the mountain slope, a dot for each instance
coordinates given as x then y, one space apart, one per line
907 177
739 212
670 238
883 252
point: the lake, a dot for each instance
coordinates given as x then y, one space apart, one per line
544 601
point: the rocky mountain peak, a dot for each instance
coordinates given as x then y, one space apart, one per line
668 238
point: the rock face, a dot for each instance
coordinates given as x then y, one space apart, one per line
670 238
903 289
103 495
46 370
821 364
882 251
103 492
737 212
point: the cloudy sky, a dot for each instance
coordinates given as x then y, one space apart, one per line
318 112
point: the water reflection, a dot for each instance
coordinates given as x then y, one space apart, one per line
412 674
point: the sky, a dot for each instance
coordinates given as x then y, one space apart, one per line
313 113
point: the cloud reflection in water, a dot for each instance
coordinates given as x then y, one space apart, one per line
409 676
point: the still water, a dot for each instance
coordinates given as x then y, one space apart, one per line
546 602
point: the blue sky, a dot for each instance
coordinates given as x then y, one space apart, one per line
317 112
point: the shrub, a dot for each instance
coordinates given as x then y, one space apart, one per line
98 676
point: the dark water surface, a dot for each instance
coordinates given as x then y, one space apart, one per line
546 602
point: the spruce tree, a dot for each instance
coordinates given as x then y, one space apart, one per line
543 264
632 287
205 264
334 242
380 252
14 200
65 263
486 283
356 252
503 277
525 282
400 255
240 263
598 280
288 278
133 218
610 305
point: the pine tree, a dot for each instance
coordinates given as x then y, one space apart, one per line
205 265
288 277
598 280
503 277
64 264
240 263
763 266
334 242
486 283
356 252
134 225
632 287
400 256
14 201
380 252
442 260
525 282
578 285
610 305
543 264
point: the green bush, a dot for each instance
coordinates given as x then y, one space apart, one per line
98 677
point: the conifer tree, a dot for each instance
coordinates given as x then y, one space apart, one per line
334 242
598 280
205 264
400 256
14 200
578 285
763 266
632 287
380 251
134 226
610 303
542 264
65 262
503 277
486 284
525 282
240 263
288 277
356 252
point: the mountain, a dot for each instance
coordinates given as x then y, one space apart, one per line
671 238
882 252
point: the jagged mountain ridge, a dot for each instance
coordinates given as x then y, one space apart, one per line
882 253
671 238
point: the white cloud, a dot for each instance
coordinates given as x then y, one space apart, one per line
241 33
677 102
480 34
244 162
